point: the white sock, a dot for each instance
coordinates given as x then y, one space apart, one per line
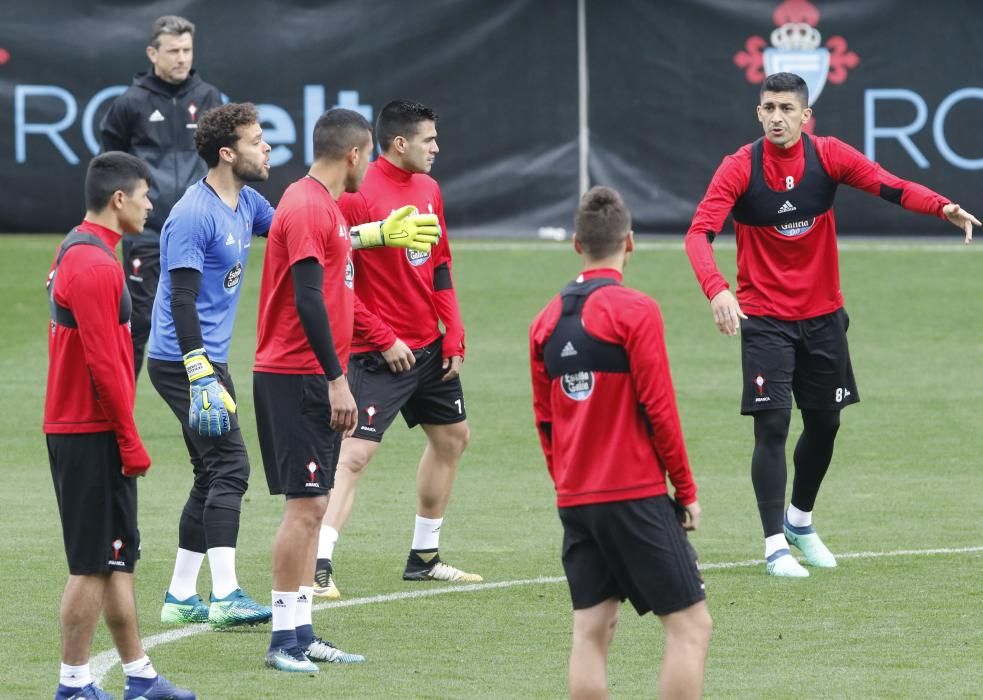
426 534
75 676
302 613
798 518
326 542
284 610
774 543
141 668
184 580
222 561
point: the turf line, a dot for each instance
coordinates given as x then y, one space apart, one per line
951 245
101 664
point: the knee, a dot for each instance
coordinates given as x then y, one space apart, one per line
696 630
823 423
771 426
355 455
306 513
451 440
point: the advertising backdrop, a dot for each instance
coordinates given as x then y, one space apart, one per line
647 95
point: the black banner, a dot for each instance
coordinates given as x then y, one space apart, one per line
647 95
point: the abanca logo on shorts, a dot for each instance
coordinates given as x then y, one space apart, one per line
312 470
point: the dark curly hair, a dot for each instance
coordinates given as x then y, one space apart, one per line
217 129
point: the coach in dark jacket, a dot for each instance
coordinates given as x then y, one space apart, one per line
155 120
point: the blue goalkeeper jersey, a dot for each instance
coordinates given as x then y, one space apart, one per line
202 233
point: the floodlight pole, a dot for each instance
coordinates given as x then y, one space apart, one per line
583 130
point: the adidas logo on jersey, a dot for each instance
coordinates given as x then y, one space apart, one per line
786 208
230 240
156 116
568 350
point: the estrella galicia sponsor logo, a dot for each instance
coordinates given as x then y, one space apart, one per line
578 385
232 278
349 273
791 229
416 258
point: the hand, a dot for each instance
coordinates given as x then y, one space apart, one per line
693 513
958 216
726 312
452 365
211 404
135 460
404 228
399 357
344 410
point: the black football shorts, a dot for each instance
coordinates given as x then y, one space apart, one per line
809 359
97 504
419 394
630 549
293 420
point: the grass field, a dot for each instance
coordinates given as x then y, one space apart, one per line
906 477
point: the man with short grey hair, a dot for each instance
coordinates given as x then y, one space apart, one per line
155 120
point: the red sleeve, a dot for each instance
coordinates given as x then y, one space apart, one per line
354 208
846 164
541 407
372 328
646 348
300 218
728 184
445 298
95 294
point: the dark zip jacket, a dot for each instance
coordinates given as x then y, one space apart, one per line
156 122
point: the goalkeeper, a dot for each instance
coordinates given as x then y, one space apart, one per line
204 248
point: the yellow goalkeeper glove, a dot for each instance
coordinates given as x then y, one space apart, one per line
211 405
404 228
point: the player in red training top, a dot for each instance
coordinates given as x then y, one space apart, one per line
303 404
401 363
780 191
608 424
93 445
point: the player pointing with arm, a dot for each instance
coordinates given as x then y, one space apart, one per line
788 306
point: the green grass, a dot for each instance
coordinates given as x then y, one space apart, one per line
905 476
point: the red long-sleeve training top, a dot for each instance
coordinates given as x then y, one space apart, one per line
91 387
790 277
618 442
421 281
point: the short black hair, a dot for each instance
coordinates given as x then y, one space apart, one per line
338 131
110 173
401 118
602 222
217 129
786 82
